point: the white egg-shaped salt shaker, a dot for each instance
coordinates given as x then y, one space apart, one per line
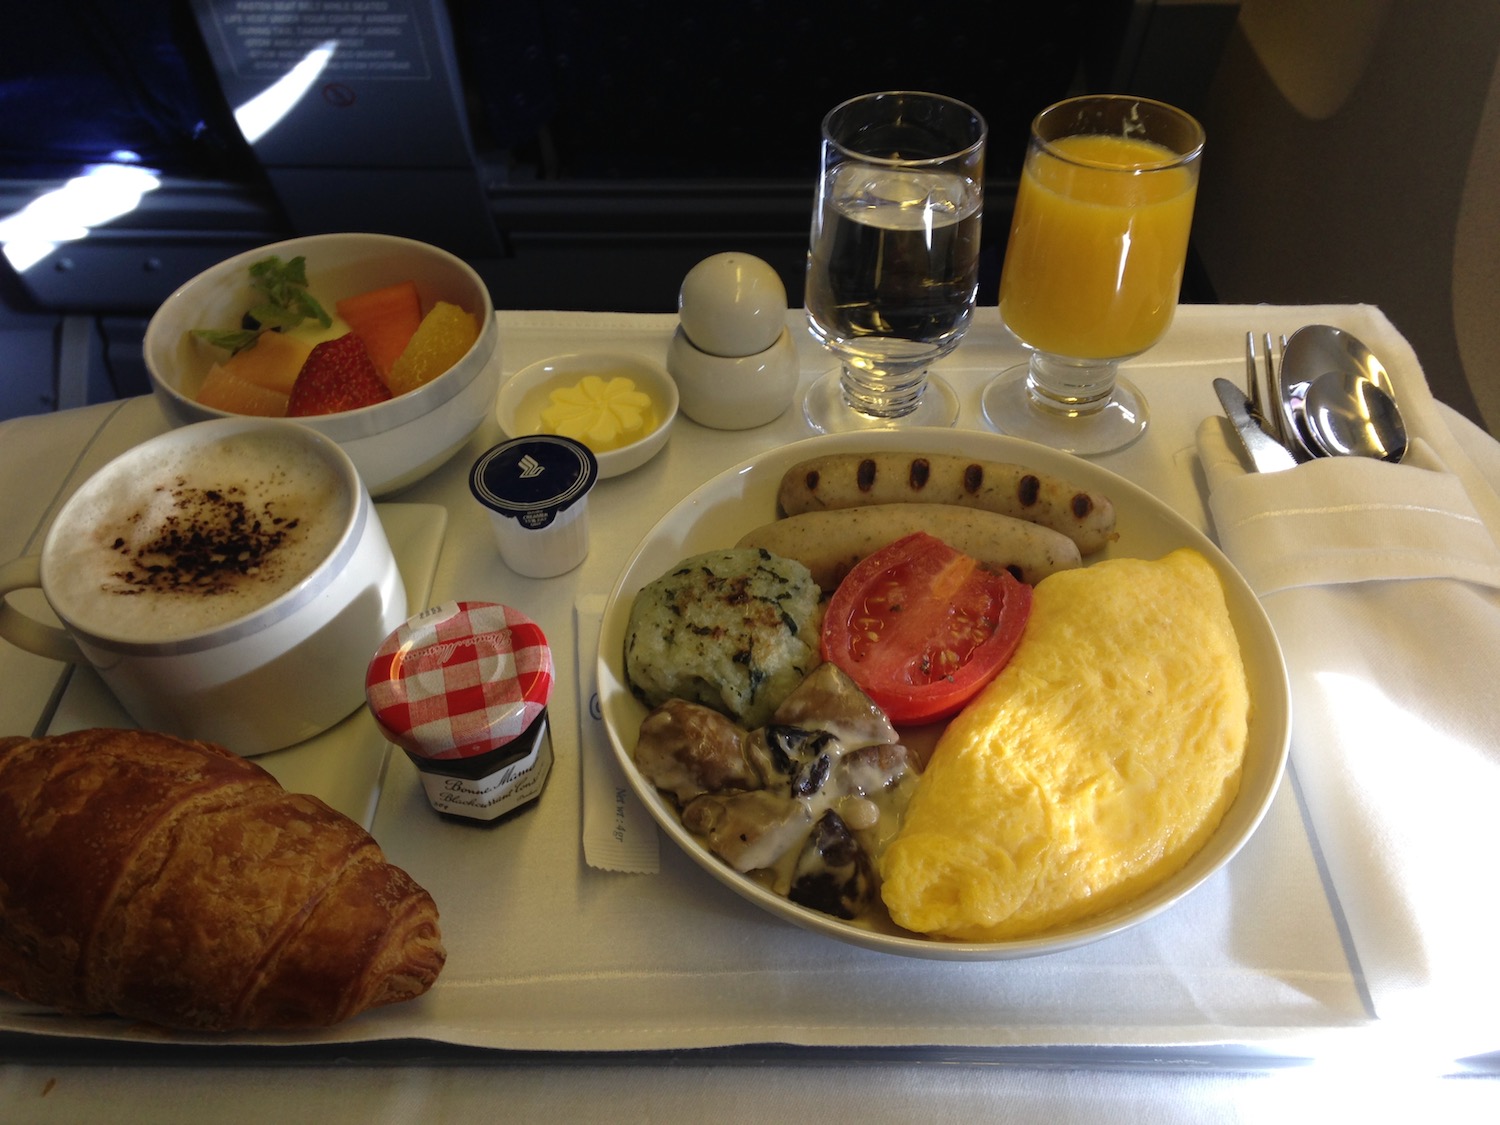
733 357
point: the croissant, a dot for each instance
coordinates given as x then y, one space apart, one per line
176 883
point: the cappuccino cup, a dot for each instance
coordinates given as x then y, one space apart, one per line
228 580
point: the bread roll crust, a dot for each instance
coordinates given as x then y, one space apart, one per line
177 883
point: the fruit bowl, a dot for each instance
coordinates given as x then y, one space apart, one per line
523 396
392 443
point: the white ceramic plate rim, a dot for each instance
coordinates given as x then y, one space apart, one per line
715 515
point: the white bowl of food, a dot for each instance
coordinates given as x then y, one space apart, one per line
428 414
619 404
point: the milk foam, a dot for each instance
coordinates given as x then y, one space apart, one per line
194 538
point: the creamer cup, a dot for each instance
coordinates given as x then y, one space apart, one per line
536 492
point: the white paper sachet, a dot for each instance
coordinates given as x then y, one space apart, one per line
618 834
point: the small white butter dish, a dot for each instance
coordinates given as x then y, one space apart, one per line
524 395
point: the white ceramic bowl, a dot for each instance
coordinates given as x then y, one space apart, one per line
392 443
523 396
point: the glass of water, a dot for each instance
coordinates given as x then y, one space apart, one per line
893 260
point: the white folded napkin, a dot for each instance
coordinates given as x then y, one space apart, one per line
1340 520
1383 584
618 834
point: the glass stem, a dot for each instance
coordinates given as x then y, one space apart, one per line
883 394
1074 387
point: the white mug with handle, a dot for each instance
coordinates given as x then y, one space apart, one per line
228 580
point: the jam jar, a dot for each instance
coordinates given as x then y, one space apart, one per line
463 689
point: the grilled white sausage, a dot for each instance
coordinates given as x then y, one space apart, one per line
830 543
849 480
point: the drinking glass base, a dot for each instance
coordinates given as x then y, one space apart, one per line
827 408
1011 407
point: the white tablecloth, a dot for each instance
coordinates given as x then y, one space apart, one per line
547 954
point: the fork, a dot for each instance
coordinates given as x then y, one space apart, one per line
1265 405
1252 379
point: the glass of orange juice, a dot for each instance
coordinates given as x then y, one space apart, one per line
1093 267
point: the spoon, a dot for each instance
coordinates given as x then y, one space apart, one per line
1349 372
1349 415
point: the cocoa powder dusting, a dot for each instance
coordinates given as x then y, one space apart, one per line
210 540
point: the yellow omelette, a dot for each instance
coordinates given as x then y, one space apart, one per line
1091 769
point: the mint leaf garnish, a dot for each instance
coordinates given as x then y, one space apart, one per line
286 303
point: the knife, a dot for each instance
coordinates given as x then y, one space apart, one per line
1266 453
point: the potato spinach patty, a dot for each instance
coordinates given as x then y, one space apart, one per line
735 630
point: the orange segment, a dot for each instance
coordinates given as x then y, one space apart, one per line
440 341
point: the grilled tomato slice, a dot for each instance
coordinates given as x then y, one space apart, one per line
921 627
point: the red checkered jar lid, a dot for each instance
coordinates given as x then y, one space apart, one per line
460 679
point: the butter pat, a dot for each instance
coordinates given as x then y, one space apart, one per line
603 414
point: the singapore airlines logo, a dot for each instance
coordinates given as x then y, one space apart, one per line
530 467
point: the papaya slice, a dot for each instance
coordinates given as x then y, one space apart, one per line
385 319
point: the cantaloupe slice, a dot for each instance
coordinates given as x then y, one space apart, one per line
385 319
271 362
224 390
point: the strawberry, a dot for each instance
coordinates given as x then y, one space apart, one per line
338 375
